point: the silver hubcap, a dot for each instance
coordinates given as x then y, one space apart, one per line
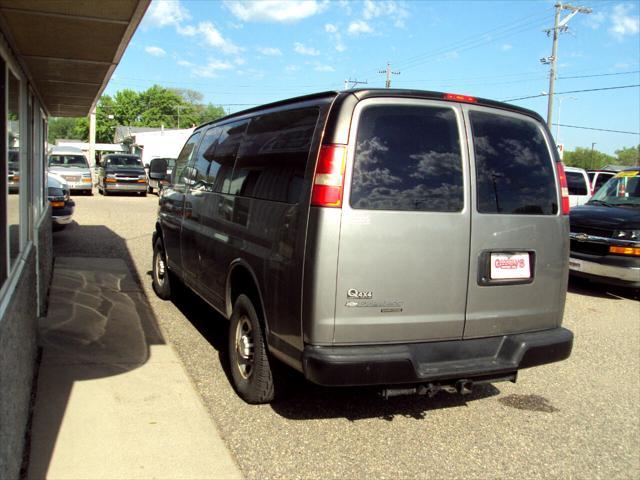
160 268
244 347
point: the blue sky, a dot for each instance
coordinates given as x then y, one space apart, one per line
249 53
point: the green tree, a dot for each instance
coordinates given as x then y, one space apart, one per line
587 158
63 127
628 156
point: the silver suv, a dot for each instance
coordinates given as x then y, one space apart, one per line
413 240
71 164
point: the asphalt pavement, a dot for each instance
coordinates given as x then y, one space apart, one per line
579 418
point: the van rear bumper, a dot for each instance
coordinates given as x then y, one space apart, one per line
425 362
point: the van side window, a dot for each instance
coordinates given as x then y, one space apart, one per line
514 169
181 170
273 156
407 158
576 183
225 154
200 177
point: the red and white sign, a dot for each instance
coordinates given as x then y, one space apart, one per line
510 266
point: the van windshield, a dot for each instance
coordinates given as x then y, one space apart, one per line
124 161
622 190
68 161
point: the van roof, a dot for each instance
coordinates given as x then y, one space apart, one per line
364 93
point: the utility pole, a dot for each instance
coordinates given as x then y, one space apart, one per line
353 82
389 73
559 26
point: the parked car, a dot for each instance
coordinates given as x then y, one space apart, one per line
58 194
412 240
159 183
597 178
605 233
579 185
120 172
71 164
13 172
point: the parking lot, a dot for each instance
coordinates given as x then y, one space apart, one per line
578 418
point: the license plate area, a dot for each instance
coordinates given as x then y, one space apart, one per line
506 267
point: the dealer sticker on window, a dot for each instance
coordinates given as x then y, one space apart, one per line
510 266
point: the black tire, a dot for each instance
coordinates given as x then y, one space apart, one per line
144 194
149 189
161 277
105 192
248 357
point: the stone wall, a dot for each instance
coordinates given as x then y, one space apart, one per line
18 327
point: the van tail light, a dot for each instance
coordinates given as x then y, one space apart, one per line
564 189
328 180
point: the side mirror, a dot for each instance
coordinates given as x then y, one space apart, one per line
158 169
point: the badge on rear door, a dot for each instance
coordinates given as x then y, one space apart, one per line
354 293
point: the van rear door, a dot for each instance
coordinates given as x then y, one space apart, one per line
519 239
404 240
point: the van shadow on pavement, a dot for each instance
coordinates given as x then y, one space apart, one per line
99 325
303 400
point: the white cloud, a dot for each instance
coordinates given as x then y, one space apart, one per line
359 26
213 38
240 61
335 36
623 23
594 20
292 68
391 9
330 28
155 51
323 68
274 10
211 69
270 51
184 63
163 13
506 47
304 50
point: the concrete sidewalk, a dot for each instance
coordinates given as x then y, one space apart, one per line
113 400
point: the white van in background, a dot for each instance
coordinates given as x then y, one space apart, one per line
579 186
71 164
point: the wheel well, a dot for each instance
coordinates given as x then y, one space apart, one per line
242 282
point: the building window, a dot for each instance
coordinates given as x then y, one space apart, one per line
15 169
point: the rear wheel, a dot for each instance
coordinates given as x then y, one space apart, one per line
160 272
248 358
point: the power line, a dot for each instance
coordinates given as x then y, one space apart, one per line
572 91
599 75
596 129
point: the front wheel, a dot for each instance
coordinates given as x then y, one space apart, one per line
248 357
160 272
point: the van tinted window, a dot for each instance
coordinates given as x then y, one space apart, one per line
576 183
182 162
225 154
202 175
407 158
514 170
272 159
601 180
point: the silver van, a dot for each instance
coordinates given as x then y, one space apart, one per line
413 240
71 164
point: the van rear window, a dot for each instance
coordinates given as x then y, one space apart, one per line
407 158
514 169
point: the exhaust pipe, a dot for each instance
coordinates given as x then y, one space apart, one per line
463 387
